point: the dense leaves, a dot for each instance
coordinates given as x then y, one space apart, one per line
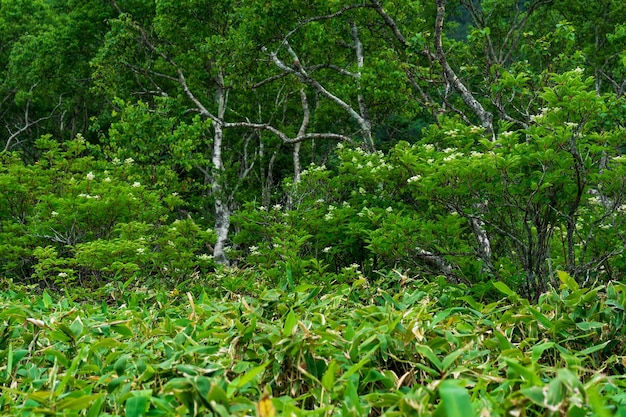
430 349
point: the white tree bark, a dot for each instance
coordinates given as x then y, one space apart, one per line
360 116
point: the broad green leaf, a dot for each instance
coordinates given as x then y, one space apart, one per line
291 321
504 289
249 376
328 380
136 406
538 350
455 399
77 403
589 325
567 281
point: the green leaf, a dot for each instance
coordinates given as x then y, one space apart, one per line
538 350
593 349
122 330
77 403
47 300
328 380
136 406
567 281
249 376
120 365
455 399
291 321
504 289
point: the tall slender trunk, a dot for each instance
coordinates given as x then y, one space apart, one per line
222 209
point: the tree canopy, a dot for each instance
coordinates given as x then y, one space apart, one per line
477 140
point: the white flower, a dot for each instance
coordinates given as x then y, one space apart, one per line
369 164
174 194
340 145
107 179
328 216
327 249
452 132
62 274
83 195
129 161
507 134
204 257
116 161
414 178
90 176
277 207
263 208
429 146
54 214
319 200
594 200
136 184
140 251
578 70
254 248
430 160
170 243
389 209
449 150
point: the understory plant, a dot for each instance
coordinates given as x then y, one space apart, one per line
430 349
70 219
468 204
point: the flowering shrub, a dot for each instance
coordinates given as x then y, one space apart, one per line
70 217
460 203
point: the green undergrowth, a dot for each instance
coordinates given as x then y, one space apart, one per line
421 348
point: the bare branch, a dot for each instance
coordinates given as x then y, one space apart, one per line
485 117
29 123
390 22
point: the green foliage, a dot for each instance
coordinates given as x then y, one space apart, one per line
70 220
548 197
431 349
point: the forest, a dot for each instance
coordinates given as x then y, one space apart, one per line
312 207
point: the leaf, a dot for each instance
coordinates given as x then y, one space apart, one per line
538 350
593 349
47 300
77 403
589 325
504 289
136 406
328 380
122 330
291 321
455 399
567 281
249 376
120 365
